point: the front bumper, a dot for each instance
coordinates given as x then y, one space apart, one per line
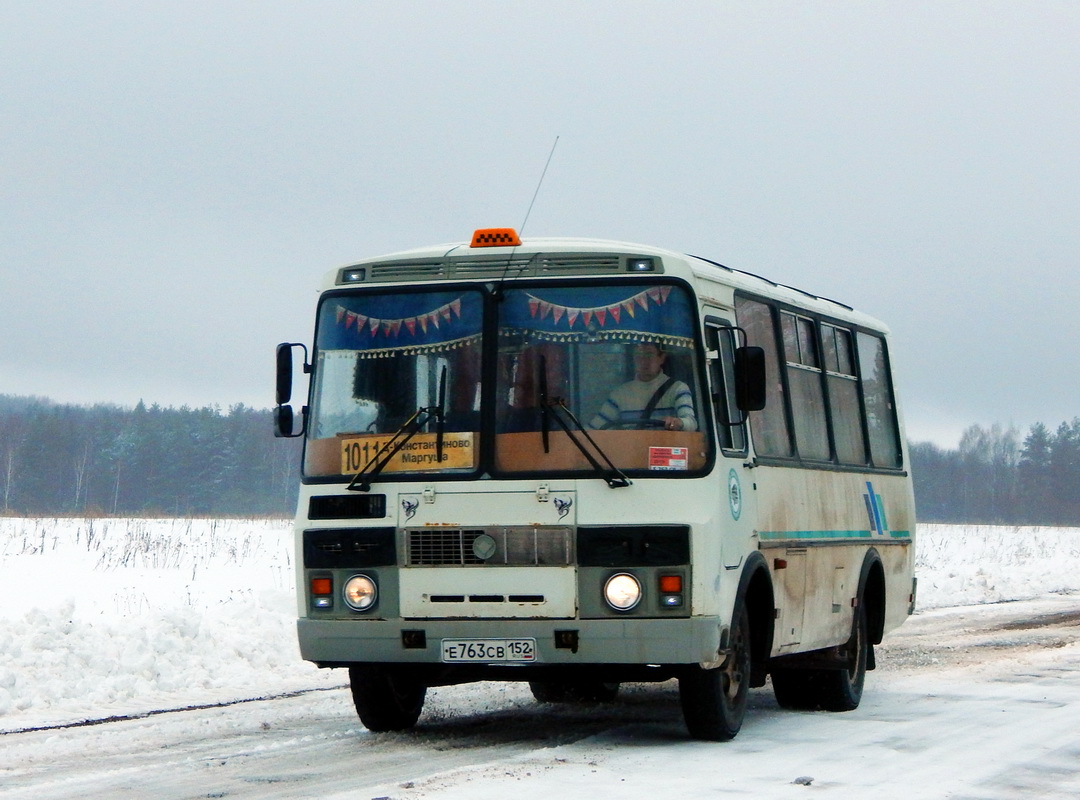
609 641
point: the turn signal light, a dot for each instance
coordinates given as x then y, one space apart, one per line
322 586
670 584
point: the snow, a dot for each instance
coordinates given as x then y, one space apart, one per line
103 617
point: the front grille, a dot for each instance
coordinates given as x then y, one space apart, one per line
457 547
440 547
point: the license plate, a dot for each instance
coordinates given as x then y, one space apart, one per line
488 651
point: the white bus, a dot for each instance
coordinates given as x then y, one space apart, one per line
580 463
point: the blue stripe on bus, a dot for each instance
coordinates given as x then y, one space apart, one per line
774 535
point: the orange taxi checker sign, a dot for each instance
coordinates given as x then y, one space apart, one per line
495 237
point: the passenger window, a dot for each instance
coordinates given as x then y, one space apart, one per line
878 395
804 379
769 426
844 411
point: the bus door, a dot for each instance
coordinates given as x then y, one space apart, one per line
736 512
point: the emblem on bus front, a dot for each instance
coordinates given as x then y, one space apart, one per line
409 507
563 505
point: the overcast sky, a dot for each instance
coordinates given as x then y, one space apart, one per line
176 178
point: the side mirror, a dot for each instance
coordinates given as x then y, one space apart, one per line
283 414
283 422
284 372
750 378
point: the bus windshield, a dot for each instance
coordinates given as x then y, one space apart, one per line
583 374
380 359
607 370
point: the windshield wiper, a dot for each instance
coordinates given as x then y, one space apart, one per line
614 477
361 481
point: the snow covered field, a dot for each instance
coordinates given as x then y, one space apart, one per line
123 618
103 617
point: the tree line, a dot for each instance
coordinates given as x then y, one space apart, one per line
995 477
105 459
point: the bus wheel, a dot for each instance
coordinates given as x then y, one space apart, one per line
385 700
574 691
829 689
714 700
795 689
841 689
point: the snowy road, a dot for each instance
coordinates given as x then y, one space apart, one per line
976 702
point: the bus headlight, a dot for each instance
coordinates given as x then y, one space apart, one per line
360 592
622 592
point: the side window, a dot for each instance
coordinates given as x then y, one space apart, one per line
730 427
877 390
844 410
769 426
804 380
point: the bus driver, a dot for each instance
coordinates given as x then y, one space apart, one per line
651 395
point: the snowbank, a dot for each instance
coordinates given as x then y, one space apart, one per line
112 616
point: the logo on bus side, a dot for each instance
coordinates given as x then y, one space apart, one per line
734 494
875 509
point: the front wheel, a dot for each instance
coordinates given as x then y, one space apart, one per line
386 699
714 700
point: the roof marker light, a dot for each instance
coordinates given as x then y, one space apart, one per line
495 237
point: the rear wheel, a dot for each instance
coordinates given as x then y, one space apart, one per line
574 691
385 698
841 689
828 689
714 700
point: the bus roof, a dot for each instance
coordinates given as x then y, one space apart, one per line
703 269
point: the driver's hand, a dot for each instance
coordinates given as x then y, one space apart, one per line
672 424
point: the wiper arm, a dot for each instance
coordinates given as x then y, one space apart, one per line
545 411
361 481
614 476
440 416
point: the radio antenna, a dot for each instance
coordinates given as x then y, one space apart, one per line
538 185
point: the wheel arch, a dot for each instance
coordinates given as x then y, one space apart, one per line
756 591
871 594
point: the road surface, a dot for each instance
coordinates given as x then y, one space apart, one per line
978 702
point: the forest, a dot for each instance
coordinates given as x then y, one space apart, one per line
146 460
149 460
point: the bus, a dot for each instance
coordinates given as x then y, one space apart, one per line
582 463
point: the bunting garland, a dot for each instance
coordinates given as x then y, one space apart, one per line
558 322
392 327
657 294
395 334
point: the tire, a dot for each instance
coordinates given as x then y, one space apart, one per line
828 689
574 691
841 689
795 689
714 700
386 699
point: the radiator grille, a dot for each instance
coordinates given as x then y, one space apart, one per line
457 547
